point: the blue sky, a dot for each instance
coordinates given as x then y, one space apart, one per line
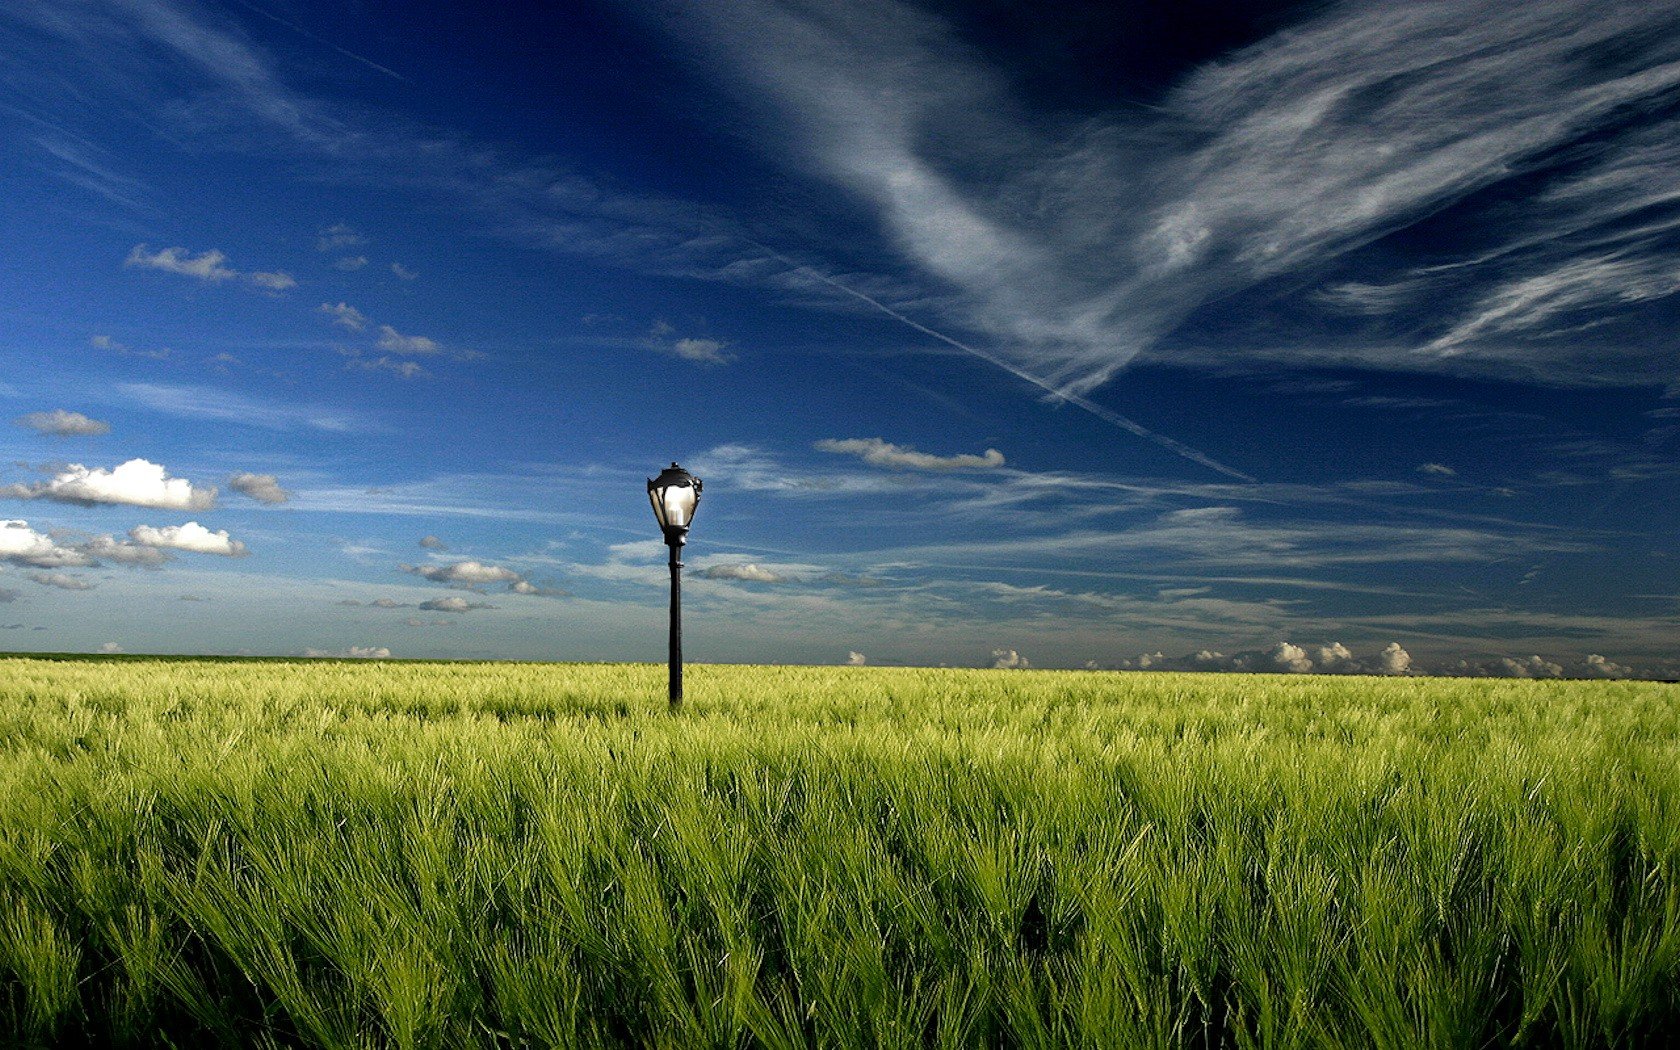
1228 336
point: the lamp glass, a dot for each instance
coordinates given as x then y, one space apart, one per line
674 495
674 505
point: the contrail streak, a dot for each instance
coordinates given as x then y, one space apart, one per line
294 27
1105 414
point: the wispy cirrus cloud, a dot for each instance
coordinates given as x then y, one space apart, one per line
188 401
1074 243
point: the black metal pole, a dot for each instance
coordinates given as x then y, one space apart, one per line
675 543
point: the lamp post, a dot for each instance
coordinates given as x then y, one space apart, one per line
674 495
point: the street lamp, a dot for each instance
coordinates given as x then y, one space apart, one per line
674 495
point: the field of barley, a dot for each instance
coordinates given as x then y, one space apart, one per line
348 854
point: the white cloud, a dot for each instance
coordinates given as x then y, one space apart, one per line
105 342
345 315
432 543
386 363
61 423
467 575
110 648
740 571
1334 657
351 263
1438 469
1599 667
527 587
452 604
1527 667
394 342
126 552
1072 252
204 402
137 483
856 659
355 652
207 266
1393 660
1289 658
22 545
1284 658
338 236
706 351
264 488
1008 658
403 272
189 537
274 282
62 580
703 351
880 453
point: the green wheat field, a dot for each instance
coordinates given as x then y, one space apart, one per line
349 854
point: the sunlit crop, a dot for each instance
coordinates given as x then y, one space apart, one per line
448 854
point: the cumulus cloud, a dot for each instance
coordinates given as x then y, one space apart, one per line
357 652
210 266
1393 660
880 453
264 488
22 545
1513 667
110 648
705 351
527 587
61 423
1335 657
466 575
126 552
62 580
856 659
1008 658
1599 667
1282 658
452 604
189 537
1291 659
344 315
394 342
432 543
735 571
138 483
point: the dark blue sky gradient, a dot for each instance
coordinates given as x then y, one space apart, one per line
1328 336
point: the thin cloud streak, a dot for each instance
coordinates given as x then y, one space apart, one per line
1107 415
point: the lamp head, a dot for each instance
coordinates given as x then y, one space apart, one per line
675 493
